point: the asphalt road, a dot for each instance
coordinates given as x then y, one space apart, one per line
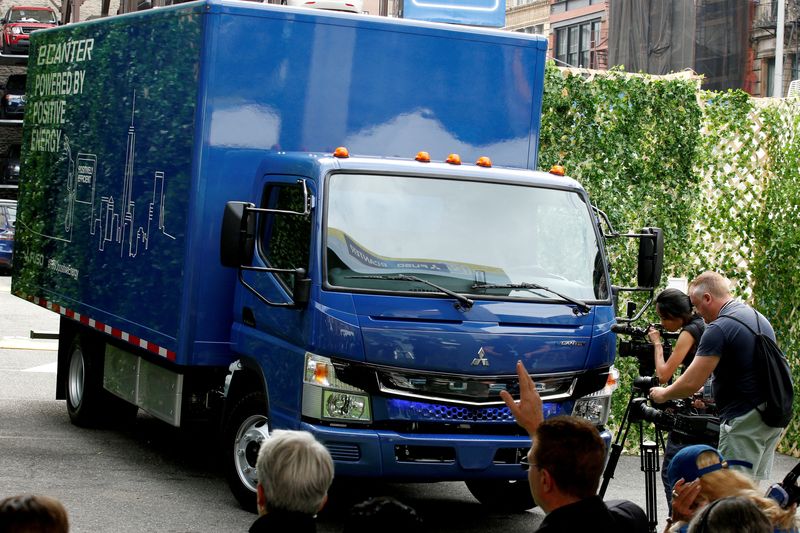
152 477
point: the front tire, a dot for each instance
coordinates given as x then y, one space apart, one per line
503 495
245 429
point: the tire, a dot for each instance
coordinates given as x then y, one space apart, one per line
88 404
503 495
6 49
245 429
83 382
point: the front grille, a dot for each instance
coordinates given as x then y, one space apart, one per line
468 389
413 411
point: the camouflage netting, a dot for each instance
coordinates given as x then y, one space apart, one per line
717 171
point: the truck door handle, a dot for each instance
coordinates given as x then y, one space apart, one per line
248 317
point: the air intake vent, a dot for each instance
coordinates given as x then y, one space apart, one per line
342 451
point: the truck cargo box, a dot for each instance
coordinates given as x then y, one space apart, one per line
140 127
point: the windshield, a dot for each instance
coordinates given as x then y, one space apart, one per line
461 235
33 15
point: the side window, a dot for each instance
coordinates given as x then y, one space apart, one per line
285 240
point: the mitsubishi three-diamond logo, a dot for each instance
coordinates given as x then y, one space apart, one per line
481 359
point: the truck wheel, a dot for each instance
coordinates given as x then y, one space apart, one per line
246 428
504 495
83 384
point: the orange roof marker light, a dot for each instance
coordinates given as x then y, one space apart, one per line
423 157
341 152
484 162
454 159
558 170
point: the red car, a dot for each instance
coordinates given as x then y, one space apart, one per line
19 22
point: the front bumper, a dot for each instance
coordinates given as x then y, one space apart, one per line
424 457
19 45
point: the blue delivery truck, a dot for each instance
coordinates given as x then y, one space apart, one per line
266 217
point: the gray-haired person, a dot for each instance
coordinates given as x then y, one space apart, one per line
294 475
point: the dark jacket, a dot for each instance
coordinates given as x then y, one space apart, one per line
281 521
592 514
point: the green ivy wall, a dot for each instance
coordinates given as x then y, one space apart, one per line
718 172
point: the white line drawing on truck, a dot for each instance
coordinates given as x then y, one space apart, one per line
104 220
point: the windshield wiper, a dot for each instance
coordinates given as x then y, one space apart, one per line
582 307
464 302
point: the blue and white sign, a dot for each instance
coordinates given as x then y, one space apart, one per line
491 13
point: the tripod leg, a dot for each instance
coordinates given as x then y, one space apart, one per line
650 466
616 449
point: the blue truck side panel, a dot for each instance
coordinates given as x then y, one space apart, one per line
141 127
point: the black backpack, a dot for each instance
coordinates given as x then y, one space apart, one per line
774 376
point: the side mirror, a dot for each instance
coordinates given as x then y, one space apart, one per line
651 258
238 236
301 288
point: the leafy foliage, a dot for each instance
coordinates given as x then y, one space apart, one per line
716 172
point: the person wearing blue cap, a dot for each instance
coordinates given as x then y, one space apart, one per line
699 474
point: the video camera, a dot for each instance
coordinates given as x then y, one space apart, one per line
787 492
676 417
639 345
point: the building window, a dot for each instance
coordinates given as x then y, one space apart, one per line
562 6
575 44
538 29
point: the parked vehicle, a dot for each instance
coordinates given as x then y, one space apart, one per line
216 253
12 97
10 174
19 22
8 217
353 6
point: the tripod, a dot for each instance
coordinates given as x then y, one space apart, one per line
649 460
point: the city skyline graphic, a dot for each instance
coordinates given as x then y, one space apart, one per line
112 219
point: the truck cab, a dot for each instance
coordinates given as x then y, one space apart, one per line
385 303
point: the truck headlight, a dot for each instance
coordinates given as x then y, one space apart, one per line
596 407
326 397
16 30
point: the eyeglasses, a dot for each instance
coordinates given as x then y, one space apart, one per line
526 464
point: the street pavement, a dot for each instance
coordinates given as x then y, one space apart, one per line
152 477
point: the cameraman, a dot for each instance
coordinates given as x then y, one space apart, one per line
674 309
728 350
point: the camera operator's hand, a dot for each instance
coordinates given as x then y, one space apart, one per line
529 412
658 395
654 335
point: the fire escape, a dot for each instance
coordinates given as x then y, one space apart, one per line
765 21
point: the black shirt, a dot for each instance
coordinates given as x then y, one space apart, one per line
736 388
592 514
282 522
695 328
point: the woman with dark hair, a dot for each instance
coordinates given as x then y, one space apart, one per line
675 311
